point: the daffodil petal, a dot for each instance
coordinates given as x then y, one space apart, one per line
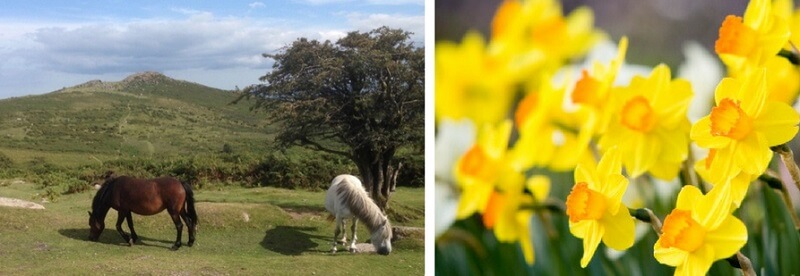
753 92
728 88
688 197
614 188
697 263
728 238
523 218
675 103
753 154
645 154
723 168
580 228
669 256
701 134
582 174
712 209
756 13
610 162
665 170
739 186
621 230
591 241
778 123
473 200
539 185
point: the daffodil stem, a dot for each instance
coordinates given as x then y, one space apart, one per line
774 182
787 157
790 55
688 175
552 205
741 261
647 215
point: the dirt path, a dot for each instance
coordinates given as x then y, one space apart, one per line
18 203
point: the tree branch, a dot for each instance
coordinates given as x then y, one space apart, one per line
306 142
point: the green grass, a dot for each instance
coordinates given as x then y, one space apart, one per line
287 233
159 117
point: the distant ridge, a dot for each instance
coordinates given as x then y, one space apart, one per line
129 83
147 77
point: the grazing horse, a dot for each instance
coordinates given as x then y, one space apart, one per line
347 199
144 197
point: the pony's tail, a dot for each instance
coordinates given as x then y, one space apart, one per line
190 202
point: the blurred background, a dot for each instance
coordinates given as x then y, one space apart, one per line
657 29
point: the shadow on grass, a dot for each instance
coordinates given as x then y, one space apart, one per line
291 240
112 237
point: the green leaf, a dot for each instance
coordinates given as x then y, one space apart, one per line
780 239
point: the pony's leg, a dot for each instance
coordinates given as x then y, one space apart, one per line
176 218
343 226
353 241
191 225
134 237
336 233
121 218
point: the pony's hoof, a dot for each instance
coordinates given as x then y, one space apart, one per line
131 242
190 243
174 248
353 249
333 251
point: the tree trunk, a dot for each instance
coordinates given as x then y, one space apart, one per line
378 174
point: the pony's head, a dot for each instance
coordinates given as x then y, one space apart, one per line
96 227
382 237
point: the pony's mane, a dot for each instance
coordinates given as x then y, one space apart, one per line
101 196
361 205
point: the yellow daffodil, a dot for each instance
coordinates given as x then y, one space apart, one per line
783 80
650 126
739 183
594 206
591 92
544 139
480 168
511 222
742 126
538 34
699 231
752 40
470 83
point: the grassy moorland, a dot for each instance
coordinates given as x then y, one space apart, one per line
260 207
242 231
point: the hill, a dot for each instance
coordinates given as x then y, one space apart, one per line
145 115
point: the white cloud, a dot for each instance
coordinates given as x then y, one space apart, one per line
256 5
201 41
411 23
42 56
368 2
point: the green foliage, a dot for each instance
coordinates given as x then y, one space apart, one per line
308 173
149 125
361 97
5 161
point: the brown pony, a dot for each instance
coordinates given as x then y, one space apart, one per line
144 197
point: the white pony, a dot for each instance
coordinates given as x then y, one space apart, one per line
347 199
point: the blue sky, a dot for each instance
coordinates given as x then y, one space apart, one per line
47 45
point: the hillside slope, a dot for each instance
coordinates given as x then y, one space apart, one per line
146 114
